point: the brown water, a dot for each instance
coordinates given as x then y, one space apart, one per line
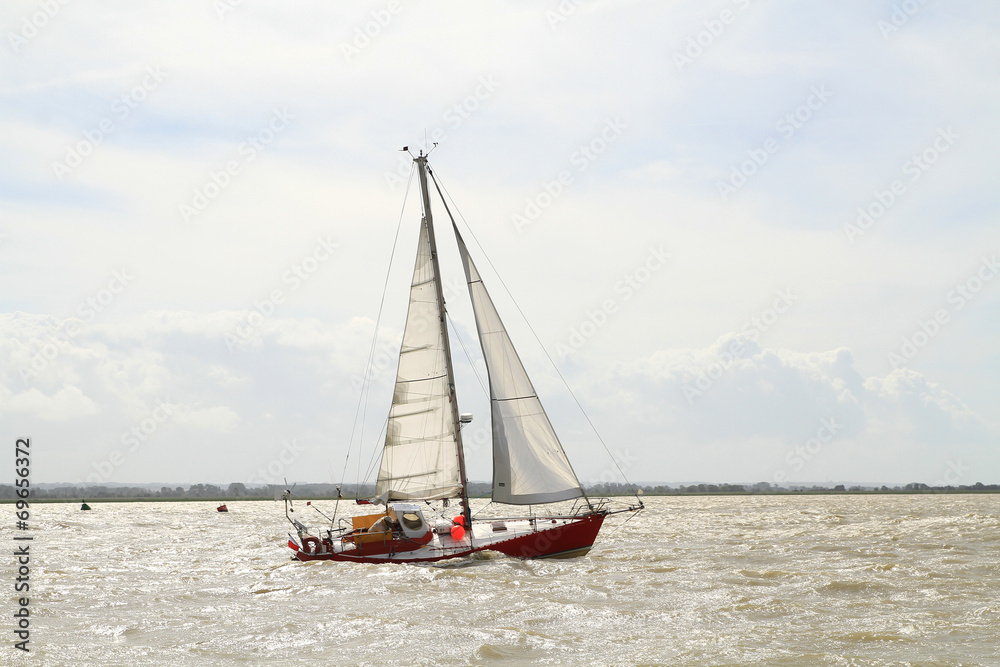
766 580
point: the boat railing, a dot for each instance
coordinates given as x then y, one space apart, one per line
584 505
530 517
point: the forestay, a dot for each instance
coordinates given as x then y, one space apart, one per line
529 464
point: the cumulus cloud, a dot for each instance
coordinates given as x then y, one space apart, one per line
734 396
68 403
220 401
908 405
737 390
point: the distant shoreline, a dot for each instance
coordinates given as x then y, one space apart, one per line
805 492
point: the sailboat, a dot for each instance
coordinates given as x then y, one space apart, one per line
423 459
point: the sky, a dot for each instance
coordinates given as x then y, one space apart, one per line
758 240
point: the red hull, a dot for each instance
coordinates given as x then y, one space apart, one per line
562 541
573 539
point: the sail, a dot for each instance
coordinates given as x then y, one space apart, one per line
420 458
529 464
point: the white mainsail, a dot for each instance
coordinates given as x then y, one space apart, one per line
529 464
420 458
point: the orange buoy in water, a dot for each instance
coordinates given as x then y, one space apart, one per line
457 532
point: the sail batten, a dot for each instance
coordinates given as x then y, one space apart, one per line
436 377
529 464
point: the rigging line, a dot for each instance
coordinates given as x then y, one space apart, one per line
531 329
365 388
378 321
467 355
371 459
615 531
333 479
483 508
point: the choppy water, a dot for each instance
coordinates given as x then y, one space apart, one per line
819 580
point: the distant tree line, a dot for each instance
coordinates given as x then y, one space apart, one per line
619 489
238 490
234 491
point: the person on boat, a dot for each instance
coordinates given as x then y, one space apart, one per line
384 525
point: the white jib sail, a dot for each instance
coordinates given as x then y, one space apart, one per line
529 464
420 458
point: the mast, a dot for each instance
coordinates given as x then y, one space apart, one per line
421 161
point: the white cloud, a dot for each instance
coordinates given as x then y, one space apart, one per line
219 419
915 409
760 403
67 404
710 393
